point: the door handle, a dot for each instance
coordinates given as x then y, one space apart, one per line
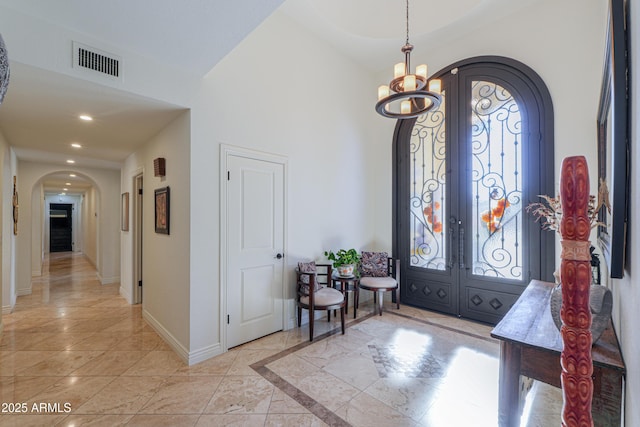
279 256
452 221
461 245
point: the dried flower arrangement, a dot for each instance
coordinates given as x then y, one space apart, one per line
551 211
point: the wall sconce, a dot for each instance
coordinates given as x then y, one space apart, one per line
159 166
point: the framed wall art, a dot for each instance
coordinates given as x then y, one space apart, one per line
613 146
162 208
124 212
15 207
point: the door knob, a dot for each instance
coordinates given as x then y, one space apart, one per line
279 256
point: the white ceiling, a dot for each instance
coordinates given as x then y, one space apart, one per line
39 114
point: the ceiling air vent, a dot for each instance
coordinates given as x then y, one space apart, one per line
96 61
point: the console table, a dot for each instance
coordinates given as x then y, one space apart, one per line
531 346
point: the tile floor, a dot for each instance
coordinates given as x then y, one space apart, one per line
74 353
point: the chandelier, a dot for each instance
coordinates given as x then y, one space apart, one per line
4 70
405 97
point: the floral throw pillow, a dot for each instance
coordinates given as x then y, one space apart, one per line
307 267
374 264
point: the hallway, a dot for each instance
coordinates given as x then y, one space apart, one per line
75 353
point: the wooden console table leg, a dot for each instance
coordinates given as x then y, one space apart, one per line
509 386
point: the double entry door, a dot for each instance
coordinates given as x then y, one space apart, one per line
464 176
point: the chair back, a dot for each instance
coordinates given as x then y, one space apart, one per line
312 275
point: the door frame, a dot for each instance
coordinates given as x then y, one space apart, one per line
227 151
137 229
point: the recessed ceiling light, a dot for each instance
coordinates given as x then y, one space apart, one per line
67 183
65 189
76 145
85 117
72 175
71 161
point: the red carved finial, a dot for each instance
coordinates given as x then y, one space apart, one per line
575 276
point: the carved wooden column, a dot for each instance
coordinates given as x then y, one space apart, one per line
575 276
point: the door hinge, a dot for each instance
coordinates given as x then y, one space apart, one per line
139 282
227 319
228 176
140 191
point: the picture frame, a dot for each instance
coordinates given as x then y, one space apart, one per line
613 144
15 207
162 210
124 212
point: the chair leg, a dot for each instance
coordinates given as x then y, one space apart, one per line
380 301
328 315
299 316
311 316
356 301
395 293
342 310
346 304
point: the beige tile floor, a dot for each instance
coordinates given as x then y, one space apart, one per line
74 353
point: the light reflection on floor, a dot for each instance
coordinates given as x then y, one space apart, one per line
468 392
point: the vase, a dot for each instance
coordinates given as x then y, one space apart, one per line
346 270
600 304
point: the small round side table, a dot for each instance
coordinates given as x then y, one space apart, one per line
346 285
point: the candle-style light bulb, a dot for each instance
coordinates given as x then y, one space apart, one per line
421 70
399 70
409 82
383 92
405 107
435 85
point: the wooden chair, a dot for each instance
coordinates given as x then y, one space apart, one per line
380 273
314 292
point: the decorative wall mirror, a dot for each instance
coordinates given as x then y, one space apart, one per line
613 166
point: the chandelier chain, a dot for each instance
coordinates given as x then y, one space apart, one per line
407 22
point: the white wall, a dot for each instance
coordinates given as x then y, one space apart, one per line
166 277
47 46
7 268
317 115
90 225
29 239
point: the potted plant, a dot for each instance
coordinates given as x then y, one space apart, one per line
344 260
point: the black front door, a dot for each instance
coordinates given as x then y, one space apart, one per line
465 174
60 229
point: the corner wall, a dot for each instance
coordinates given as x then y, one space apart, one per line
165 263
8 245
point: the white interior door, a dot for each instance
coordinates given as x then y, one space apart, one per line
255 243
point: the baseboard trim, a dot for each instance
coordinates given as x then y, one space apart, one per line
205 353
108 280
182 352
7 309
23 292
126 295
190 358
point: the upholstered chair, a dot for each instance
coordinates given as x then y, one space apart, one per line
314 292
379 273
